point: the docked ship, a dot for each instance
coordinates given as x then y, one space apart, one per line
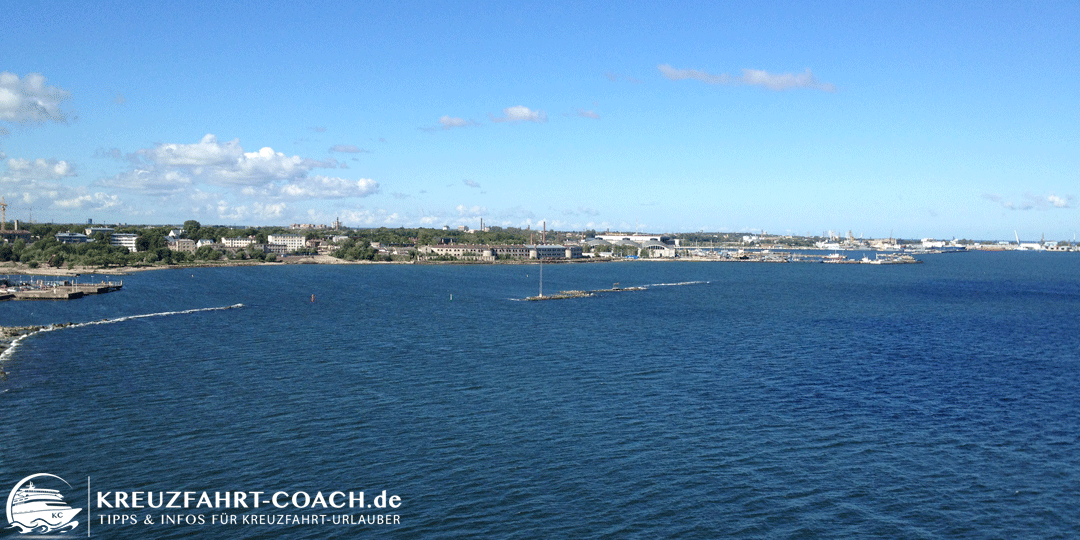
40 510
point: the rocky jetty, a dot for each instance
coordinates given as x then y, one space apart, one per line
8 334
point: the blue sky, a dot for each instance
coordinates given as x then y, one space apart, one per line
955 119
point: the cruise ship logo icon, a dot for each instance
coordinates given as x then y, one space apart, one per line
40 510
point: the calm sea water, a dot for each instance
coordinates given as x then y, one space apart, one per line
728 400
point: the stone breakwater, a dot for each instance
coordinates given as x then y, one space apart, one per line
10 334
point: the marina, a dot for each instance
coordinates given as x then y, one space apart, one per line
40 289
811 256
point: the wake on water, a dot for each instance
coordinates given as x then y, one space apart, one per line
15 342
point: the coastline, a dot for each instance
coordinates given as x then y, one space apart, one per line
10 268
9 335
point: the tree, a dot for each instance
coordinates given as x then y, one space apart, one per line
207 253
191 229
148 240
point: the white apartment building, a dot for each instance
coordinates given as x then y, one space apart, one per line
292 242
486 252
238 242
124 240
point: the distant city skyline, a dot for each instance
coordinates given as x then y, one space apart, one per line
916 120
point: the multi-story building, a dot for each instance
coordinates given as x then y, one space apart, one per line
182 244
71 238
124 240
549 251
238 242
485 252
292 242
654 245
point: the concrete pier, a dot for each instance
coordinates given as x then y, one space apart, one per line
60 291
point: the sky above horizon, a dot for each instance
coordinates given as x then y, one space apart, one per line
913 120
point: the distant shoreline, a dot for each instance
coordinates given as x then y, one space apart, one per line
21 269
10 268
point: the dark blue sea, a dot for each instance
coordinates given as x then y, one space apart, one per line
727 400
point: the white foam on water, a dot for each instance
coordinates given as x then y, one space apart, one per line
15 342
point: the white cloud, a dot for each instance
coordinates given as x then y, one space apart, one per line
38 169
32 180
680 74
474 211
257 212
228 164
199 195
348 149
326 187
1034 202
520 113
361 217
784 81
209 179
264 166
750 77
149 181
94 201
268 211
588 114
30 100
447 122
205 153
470 183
